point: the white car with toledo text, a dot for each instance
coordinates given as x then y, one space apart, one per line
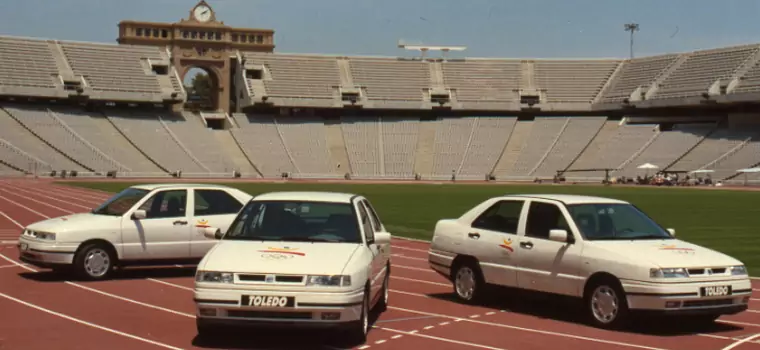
311 259
606 252
141 225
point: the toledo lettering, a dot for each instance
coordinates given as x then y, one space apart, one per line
268 301
716 290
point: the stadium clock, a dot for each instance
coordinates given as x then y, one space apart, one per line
202 13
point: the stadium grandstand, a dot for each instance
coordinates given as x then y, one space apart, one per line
95 109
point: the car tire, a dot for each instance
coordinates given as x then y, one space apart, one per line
357 330
382 304
606 304
468 281
94 261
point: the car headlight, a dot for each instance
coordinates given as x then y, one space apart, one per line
738 270
329 281
668 273
45 236
212 276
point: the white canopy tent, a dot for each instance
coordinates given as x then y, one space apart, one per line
647 166
746 171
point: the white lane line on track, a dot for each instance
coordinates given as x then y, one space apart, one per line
104 293
49 197
67 317
415 334
40 202
413 268
420 281
9 266
740 342
697 334
500 325
11 220
455 319
408 257
25 207
458 319
407 248
171 284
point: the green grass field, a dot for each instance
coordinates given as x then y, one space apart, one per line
724 220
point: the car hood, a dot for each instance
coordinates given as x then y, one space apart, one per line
668 253
279 257
73 222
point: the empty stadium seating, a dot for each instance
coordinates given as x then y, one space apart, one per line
38 136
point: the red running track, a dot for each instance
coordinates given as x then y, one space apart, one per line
153 308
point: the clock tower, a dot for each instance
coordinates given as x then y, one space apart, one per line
201 41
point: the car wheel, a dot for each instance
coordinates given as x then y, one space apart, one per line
94 261
468 281
606 305
357 331
382 304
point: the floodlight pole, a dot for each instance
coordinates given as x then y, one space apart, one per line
631 27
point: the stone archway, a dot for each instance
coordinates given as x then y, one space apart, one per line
202 86
217 66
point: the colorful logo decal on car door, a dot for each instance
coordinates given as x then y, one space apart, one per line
202 223
507 244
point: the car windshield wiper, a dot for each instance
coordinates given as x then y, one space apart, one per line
252 238
308 239
651 236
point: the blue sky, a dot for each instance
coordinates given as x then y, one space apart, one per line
489 28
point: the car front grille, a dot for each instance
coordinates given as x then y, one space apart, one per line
271 278
707 271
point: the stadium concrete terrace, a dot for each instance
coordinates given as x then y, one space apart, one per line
94 108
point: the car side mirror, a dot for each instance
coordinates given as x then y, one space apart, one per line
139 214
558 235
382 238
212 233
672 232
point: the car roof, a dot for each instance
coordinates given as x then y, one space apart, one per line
153 186
316 196
569 199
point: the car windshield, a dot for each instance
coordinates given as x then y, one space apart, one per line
121 202
295 221
615 222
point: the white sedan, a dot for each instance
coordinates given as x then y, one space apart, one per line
313 259
605 252
141 225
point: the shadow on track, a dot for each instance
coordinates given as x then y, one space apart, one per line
279 338
569 310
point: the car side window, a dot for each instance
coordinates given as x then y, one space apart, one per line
369 233
372 216
542 218
166 204
503 216
215 202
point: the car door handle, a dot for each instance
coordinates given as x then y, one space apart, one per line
474 235
180 222
526 245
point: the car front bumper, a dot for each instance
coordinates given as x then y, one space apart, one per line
45 253
310 309
688 298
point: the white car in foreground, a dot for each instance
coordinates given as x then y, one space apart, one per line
141 225
603 251
313 259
